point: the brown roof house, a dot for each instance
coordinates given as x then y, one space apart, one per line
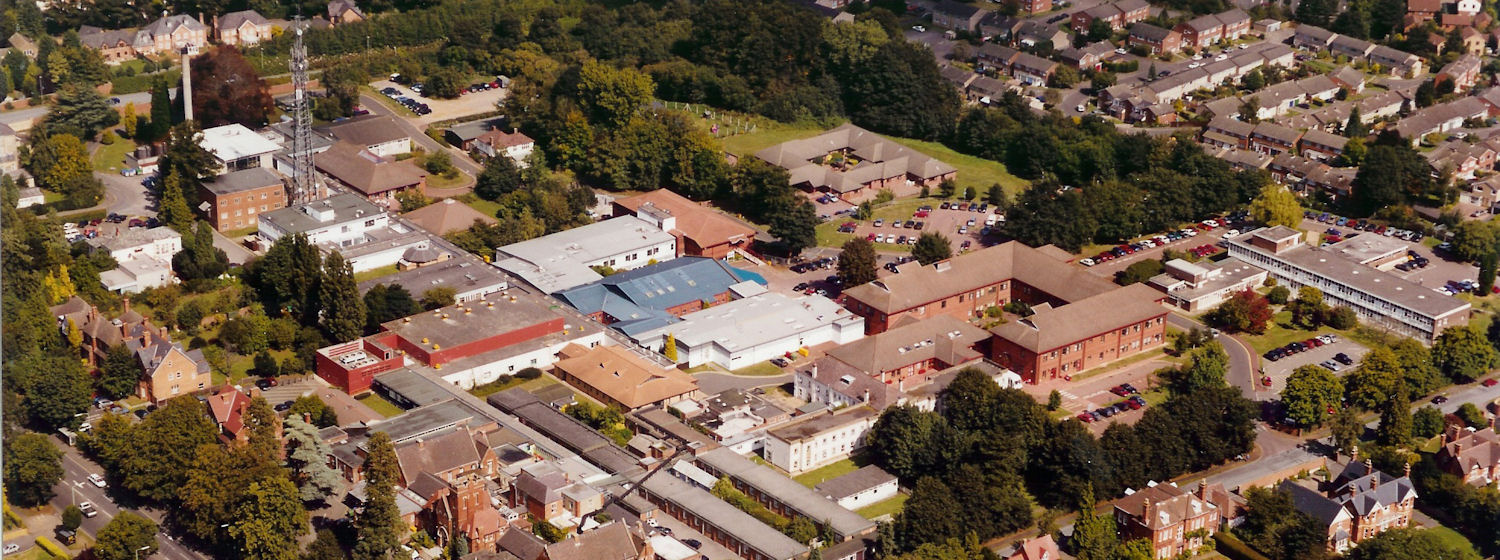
1359 504
701 231
245 27
616 376
855 164
448 216
1176 521
956 15
344 11
1156 39
228 405
615 541
377 178
1473 456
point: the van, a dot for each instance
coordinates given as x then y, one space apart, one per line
68 537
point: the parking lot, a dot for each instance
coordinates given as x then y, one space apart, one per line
1206 235
444 109
1440 269
1279 370
964 228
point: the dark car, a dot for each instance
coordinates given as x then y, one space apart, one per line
283 406
1343 359
265 382
1439 399
1129 389
695 543
141 413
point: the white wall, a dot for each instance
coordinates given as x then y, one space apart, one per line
811 453
871 496
660 252
541 358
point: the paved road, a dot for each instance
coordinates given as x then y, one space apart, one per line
1241 358
410 125
21 119
714 383
75 488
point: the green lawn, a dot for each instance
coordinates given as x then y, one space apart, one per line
488 389
829 236
760 369
890 506
239 366
380 405
376 273
1280 333
1452 538
109 158
818 476
486 207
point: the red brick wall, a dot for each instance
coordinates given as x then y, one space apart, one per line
1081 355
357 380
425 353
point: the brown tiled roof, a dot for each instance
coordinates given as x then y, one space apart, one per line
920 285
623 376
1162 505
1081 319
611 542
447 216
366 172
501 140
943 337
703 226
436 454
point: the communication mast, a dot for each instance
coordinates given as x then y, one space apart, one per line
304 181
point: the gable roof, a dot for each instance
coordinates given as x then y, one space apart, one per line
1150 32
436 454
610 542
522 544
943 337
447 216
918 285
843 486
1059 326
367 130
233 20
880 159
366 172
704 226
1162 506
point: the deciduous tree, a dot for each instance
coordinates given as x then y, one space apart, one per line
127 536
32 467
1093 534
227 90
1463 354
1404 543
270 520
931 248
1276 206
120 374
857 262
796 227
1246 311
1311 392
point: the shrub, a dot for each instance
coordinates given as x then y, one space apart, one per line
1279 295
529 373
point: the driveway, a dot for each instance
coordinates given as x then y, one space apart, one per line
1242 358
122 195
410 126
713 383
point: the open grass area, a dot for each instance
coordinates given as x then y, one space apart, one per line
239 366
760 369
889 506
1451 537
381 406
1280 333
819 475
109 158
486 207
376 273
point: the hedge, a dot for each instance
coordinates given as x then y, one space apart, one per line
1228 545
56 550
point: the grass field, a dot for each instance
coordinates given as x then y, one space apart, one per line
1280 333
109 158
760 369
1453 538
376 273
381 406
819 475
239 366
889 506
486 207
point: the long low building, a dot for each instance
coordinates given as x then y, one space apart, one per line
755 329
1349 274
1057 343
725 524
781 494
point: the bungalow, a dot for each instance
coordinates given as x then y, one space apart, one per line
1156 39
1396 62
855 164
376 178
1348 78
377 134
1351 47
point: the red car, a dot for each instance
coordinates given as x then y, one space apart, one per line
1086 418
1490 382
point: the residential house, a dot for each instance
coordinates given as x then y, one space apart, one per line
227 405
1322 146
1088 57
344 11
1176 521
1460 158
957 15
1264 26
1041 548
1351 47
1359 504
823 163
867 486
1036 6
378 178
1471 455
514 145
30 196
1484 193
1464 72
22 44
168 369
99 333
1271 138
1156 39
1397 63
701 231
1058 342
1119 14
235 199
1201 31
1349 79
143 258
1036 33
1312 37
996 57
1227 132
448 216
613 541
446 474
175 34
1032 70
1441 118
1473 41
618 377
242 28
378 134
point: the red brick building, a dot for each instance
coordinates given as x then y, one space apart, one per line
966 285
1176 521
237 199
701 231
1058 342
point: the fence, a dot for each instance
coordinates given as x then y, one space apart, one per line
722 124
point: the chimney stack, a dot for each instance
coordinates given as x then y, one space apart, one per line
187 86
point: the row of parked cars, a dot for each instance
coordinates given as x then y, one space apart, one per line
1299 347
823 263
891 238
1138 246
904 224
1364 225
415 106
1135 402
1454 287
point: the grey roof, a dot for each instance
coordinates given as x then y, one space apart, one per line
243 180
798 498
462 273
345 207
724 517
881 159
367 130
425 420
132 238
867 477
232 20
412 386
956 8
565 429
1149 32
638 299
559 261
166 25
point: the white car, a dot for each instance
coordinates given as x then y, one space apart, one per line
1221 57
1080 108
1087 262
88 509
919 29
97 481
1121 50
1244 46
12 548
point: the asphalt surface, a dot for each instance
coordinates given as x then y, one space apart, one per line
713 383
12 118
75 488
410 126
1242 358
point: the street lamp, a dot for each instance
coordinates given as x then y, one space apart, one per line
137 551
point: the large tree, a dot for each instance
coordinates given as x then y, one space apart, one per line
1093 534
796 227
1390 172
164 447
1311 393
307 459
1246 311
120 373
1463 354
379 527
857 262
126 537
82 111
270 520
343 310
33 465
57 389
1276 206
227 90
931 248
1277 529
1413 544
1375 380
386 302
186 157
286 279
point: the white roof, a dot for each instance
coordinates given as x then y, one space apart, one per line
559 261
750 322
668 548
233 141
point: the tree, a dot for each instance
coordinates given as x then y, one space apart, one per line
1405 543
326 547
441 296
32 467
120 374
1099 30
82 111
1388 174
611 96
161 111
387 302
380 526
857 262
1308 309
1054 400
1426 94
56 389
669 350
931 248
130 121
270 520
1311 393
199 263
1347 428
1355 126
1427 422
163 449
1463 354
1205 369
1472 416
227 90
1279 295
343 310
217 484
928 515
313 410
174 207
1341 318
1276 206
186 158
1395 423
1138 272
1246 311
126 537
1102 79
1473 239
1487 269
72 517
796 227
1277 529
1093 534
1374 381
264 365
439 162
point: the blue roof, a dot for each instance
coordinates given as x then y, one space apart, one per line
638 299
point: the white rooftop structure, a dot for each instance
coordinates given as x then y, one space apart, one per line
755 329
562 260
238 147
341 220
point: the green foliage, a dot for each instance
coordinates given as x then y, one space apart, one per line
120 373
387 302
1054 400
199 263
1279 295
1389 173
1347 429
1395 428
1472 416
1411 544
380 527
1093 534
1308 310
265 365
81 111
1341 318
1139 272
128 536
669 349
174 207
1427 422
270 520
931 248
1311 391
857 262
56 390
1276 528
313 409
1474 239
1276 206
186 158
162 449
32 467
343 310
72 517
606 420
796 228
441 296
1205 369
1246 311
60 163
547 531
217 488
1463 354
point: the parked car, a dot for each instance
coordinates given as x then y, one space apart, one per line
1490 382
97 480
1439 399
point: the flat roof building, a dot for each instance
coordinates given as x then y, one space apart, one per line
1346 273
470 278
236 147
755 329
565 259
781 494
236 198
1205 284
654 296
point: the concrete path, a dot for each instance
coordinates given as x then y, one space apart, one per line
713 383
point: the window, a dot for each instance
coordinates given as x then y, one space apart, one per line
369 223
